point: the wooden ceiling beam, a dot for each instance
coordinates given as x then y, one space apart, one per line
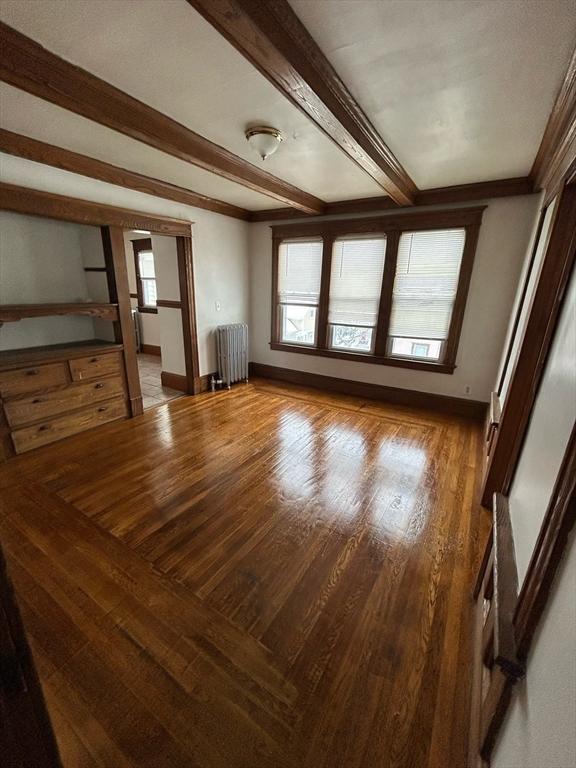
271 36
462 193
27 65
58 157
35 202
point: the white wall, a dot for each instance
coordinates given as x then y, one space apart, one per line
504 237
549 430
169 318
41 262
220 244
541 247
540 728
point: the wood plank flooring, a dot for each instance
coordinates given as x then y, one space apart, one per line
269 577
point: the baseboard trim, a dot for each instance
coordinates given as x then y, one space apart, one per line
202 383
150 349
444 404
174 381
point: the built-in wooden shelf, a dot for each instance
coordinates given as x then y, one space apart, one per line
15 358
10 313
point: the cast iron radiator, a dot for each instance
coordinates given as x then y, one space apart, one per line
232 352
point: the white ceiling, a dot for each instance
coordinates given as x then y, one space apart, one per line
165 54
459 89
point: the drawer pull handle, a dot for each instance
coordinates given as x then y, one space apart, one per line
43 428
102 409
32 372
98 386
94 360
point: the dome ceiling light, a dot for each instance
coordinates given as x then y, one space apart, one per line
264 139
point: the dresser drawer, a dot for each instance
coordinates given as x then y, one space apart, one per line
25 410
94 366
55 429
33 378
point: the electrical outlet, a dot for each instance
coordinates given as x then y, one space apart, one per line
467 389
218 306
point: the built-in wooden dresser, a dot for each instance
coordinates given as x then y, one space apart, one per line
48 393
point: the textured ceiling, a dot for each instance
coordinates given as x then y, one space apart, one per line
459 89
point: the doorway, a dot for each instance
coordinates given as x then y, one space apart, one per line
153 276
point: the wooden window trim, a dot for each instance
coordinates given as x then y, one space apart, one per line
392 227
144 244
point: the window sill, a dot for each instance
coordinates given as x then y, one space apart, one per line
148 310
359 357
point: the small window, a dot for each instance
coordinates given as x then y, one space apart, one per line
425 287
145 275
299 271
355 286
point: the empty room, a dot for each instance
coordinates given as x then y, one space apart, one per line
287 383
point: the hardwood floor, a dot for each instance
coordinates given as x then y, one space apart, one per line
263 578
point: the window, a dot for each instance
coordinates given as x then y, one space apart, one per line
425 286
299 272
355 285
145 275
389 290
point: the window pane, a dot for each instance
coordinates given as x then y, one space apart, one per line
356 280
426 282
146 263
353 337
149 290
427 349
298 324
299 270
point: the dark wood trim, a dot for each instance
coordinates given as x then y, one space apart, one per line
358 357
496 664
404 397
539 333
407 219
175 381
478 190
27 735
522 299
10 313
550 546
466 267
557 151
94 269
32 68
274 314
58 157
505 651
142 244
115 258
188 308
392 226
385 307
169 303
150 349
272 37
462 193
36 203
322 330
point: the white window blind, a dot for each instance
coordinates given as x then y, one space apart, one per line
299 271
426 283
356 280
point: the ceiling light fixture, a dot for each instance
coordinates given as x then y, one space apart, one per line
264 139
